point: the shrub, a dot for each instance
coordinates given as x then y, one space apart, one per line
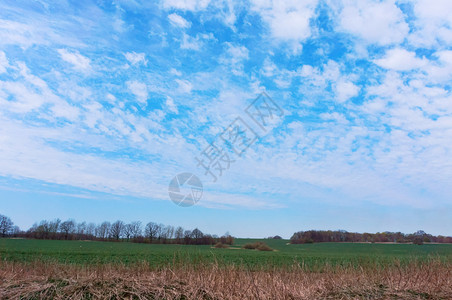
258 246
221 245
264 247
251 245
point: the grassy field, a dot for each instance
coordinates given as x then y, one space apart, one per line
157 255
41 269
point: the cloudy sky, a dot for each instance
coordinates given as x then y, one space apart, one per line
102 103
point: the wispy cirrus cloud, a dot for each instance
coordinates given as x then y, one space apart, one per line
78 61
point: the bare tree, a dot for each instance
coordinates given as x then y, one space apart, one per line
169 230
136 229
81 228
91 229
67 228
152 230
132 230
117 229
179 234
6 225
160 231
43 229
54 227
103 230
128 231
166 232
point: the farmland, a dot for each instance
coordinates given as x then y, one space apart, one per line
157 255
43 269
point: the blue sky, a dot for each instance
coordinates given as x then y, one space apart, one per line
102 103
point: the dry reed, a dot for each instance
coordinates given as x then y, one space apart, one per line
38 280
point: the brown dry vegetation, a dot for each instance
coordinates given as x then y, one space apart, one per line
260 246
432 280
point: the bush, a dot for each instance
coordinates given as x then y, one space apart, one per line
221 245
250 246
258 246
264 247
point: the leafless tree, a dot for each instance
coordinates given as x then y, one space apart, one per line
152 230
103 230
6 225
67 228
166 232
169 232
91 229
81 228
136 229
196 234
117 230
160 231
179 234
128 231
54 226
132 230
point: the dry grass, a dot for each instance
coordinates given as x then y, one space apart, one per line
431 280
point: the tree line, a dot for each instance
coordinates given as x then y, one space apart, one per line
319 236
166 234
117 231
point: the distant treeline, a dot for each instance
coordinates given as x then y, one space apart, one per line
167 234
117 231
319 236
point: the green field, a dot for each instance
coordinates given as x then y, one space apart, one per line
157 255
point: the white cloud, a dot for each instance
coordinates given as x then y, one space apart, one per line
375 22
335 116
190 43
3 62
440 70
288 20
345 90
35 32
139 89
62 109
119 25
184 86
227 13
31 157
400 60
175 72
23 99
269 68
178 21
432 23
171 106
234 57
237 53
135 58
32 94
445 56
193 5
78 61
111 98
16 33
